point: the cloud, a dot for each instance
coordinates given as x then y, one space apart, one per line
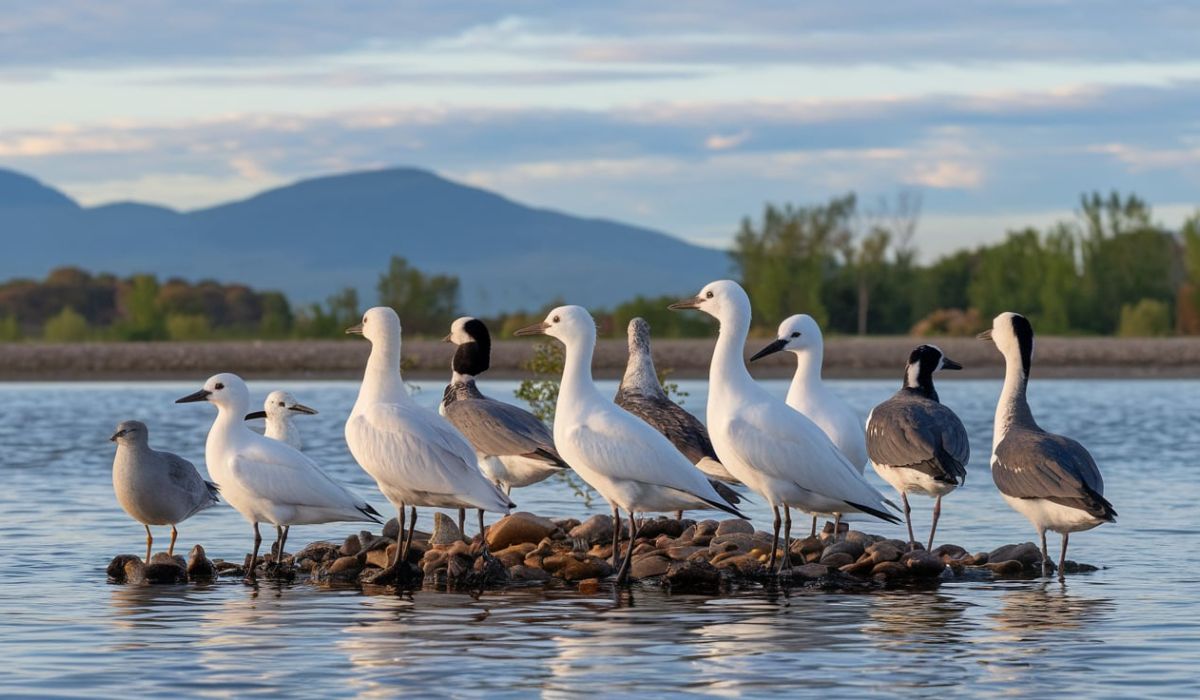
724 142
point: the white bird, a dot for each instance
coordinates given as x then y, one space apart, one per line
1050 479
156 488
916 444
415 456
266 480
278 409
629 463
766 444
808 393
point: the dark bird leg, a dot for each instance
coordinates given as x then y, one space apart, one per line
171 547
399 537
908 520
149 542
787 540
616 534
251 576
1045 555
462 522
679 515
837 525
282 544
814 528
1062 558
412 526
483 537
623 573
937 513
277 549
775 540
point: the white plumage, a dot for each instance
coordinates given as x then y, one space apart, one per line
279 408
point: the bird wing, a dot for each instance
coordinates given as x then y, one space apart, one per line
182 476
923 435
684 430
1037 464
284 475
422 452
498 429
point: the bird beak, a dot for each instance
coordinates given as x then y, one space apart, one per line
693 303
301 408
447 339
356 329
201 395
775 346
947 363
116 435
535 329
986 335
256 414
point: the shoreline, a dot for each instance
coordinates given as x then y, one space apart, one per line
845 358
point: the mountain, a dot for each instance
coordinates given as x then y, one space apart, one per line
314 237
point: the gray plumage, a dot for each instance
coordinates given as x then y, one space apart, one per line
1032 463
916 432
495 428
156 488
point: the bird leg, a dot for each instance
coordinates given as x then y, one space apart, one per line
462 522
283 543
1062 558
787 540
251 576
937 512
908 520
483 537
679 515
1045 555
399 537
623 573
775 540
814 528
616 534
149 542
276 550
837 525
412 525
171 547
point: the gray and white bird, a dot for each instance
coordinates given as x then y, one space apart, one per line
279 409
642 394
156 488
1050 479
916 444
514 447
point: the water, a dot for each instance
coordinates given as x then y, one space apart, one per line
1128 630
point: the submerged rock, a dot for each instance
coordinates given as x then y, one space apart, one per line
199 567
126 568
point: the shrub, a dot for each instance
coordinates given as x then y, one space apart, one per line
188 327
1148 317
10 329
68 326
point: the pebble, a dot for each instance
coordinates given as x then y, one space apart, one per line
517 528
729 527
595 530
391 529
351 546
199 568
1027 553
692 575
445 531
648 566
811 571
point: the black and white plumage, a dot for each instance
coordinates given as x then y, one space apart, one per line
1050 479
642 394
915 443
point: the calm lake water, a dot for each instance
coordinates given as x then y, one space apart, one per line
1129 630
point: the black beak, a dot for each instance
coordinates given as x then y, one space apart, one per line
256 414
947 363
356 329
535 329
775 346
986 335
301 408
116 435
693 303
201 395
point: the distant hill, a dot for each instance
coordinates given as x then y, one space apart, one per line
314 237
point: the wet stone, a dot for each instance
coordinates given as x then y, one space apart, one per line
923 564
692 575
445 531
649 566
391 529
854 549
351 546
950 551
199 567
126 568
1027 553
518 528
735 525
837 559
523 574
811 571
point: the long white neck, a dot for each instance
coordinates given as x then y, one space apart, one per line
729 364
807 380
1013 408
577 381
229 425
382 382
282 428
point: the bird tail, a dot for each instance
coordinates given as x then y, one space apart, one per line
881 514
213 491
725 507
726 492
370 512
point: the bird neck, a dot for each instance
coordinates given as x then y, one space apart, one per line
807 379
472 358
918 379
577 374
1013 407
279 428
640 375
382 382
729 361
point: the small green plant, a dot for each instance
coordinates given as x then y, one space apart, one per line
68 326
10 329
188 327
671 389
1146 318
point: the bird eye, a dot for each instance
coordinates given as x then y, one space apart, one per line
555 319
364 320
219 386
709 295
796 334
280 403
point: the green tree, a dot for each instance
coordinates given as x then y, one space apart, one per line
68 326
426 303
10 329
142 319
188 327
1148 317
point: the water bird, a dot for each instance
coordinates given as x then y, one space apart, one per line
514 447
801 335
267 480
415 456
278 409
156 488
769 446
629 463
917 444
1050 479
641 393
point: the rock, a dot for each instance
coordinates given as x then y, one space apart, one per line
1027 553
665 542
648 566
647 548
585 568
406 574
706 528
524 574
199 568
923 564
837 559
589 586
854 549
652 528
744 542
489 571
458 565
595 530
976 559
319 552
862 567
347 564
164 568
1074 567
811 571
126 568
683 553
883 552
749 565
735 525
391 529
950 551
445 531
511 556
808 548
688 533
433 560
228 568
692 575
862 538
517 528
381 558
1010 567
889 570
351 546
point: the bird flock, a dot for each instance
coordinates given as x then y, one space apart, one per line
639 450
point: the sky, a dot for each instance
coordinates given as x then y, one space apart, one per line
684 117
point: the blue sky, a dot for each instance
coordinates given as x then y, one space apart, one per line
680 116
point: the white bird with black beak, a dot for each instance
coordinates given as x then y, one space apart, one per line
766 444
808 393
279 409
266 480
629 463
1050 479
917 444
415 456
